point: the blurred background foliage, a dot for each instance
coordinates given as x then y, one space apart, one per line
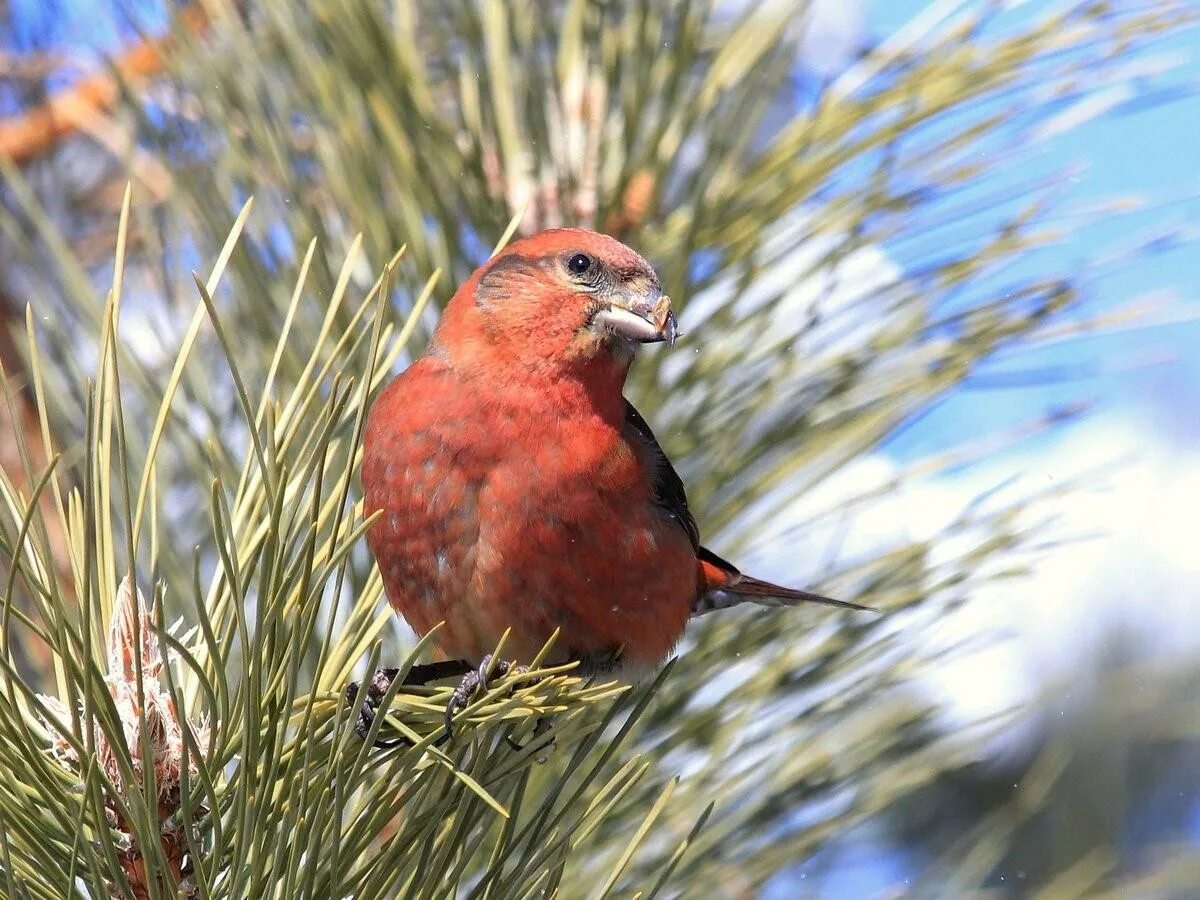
763 190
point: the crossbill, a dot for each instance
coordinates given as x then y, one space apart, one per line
520 492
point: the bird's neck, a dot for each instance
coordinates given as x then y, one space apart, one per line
558 385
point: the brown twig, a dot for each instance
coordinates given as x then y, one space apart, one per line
34 133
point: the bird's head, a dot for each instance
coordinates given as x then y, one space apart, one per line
562 298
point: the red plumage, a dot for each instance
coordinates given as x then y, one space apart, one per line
518 488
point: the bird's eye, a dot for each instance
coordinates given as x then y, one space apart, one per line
579 263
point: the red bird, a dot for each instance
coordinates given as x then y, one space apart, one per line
521 491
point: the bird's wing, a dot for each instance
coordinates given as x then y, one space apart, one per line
664 480
723 584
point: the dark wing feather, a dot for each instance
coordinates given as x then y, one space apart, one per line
664 480
730 587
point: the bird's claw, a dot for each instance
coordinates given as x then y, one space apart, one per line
382 681
372 696
473 683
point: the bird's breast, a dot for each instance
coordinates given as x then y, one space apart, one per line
498 515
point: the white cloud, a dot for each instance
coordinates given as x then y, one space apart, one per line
833 35
1134 574
805 271
833 30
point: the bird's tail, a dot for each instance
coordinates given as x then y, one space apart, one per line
724 586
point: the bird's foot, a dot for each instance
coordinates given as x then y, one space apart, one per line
372 696
382 681
474 682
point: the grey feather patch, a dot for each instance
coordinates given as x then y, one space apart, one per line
505 276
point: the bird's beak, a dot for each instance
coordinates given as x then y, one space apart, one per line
646 319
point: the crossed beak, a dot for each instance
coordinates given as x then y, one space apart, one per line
646 319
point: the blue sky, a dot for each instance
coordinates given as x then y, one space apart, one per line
1150 373
1144 380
